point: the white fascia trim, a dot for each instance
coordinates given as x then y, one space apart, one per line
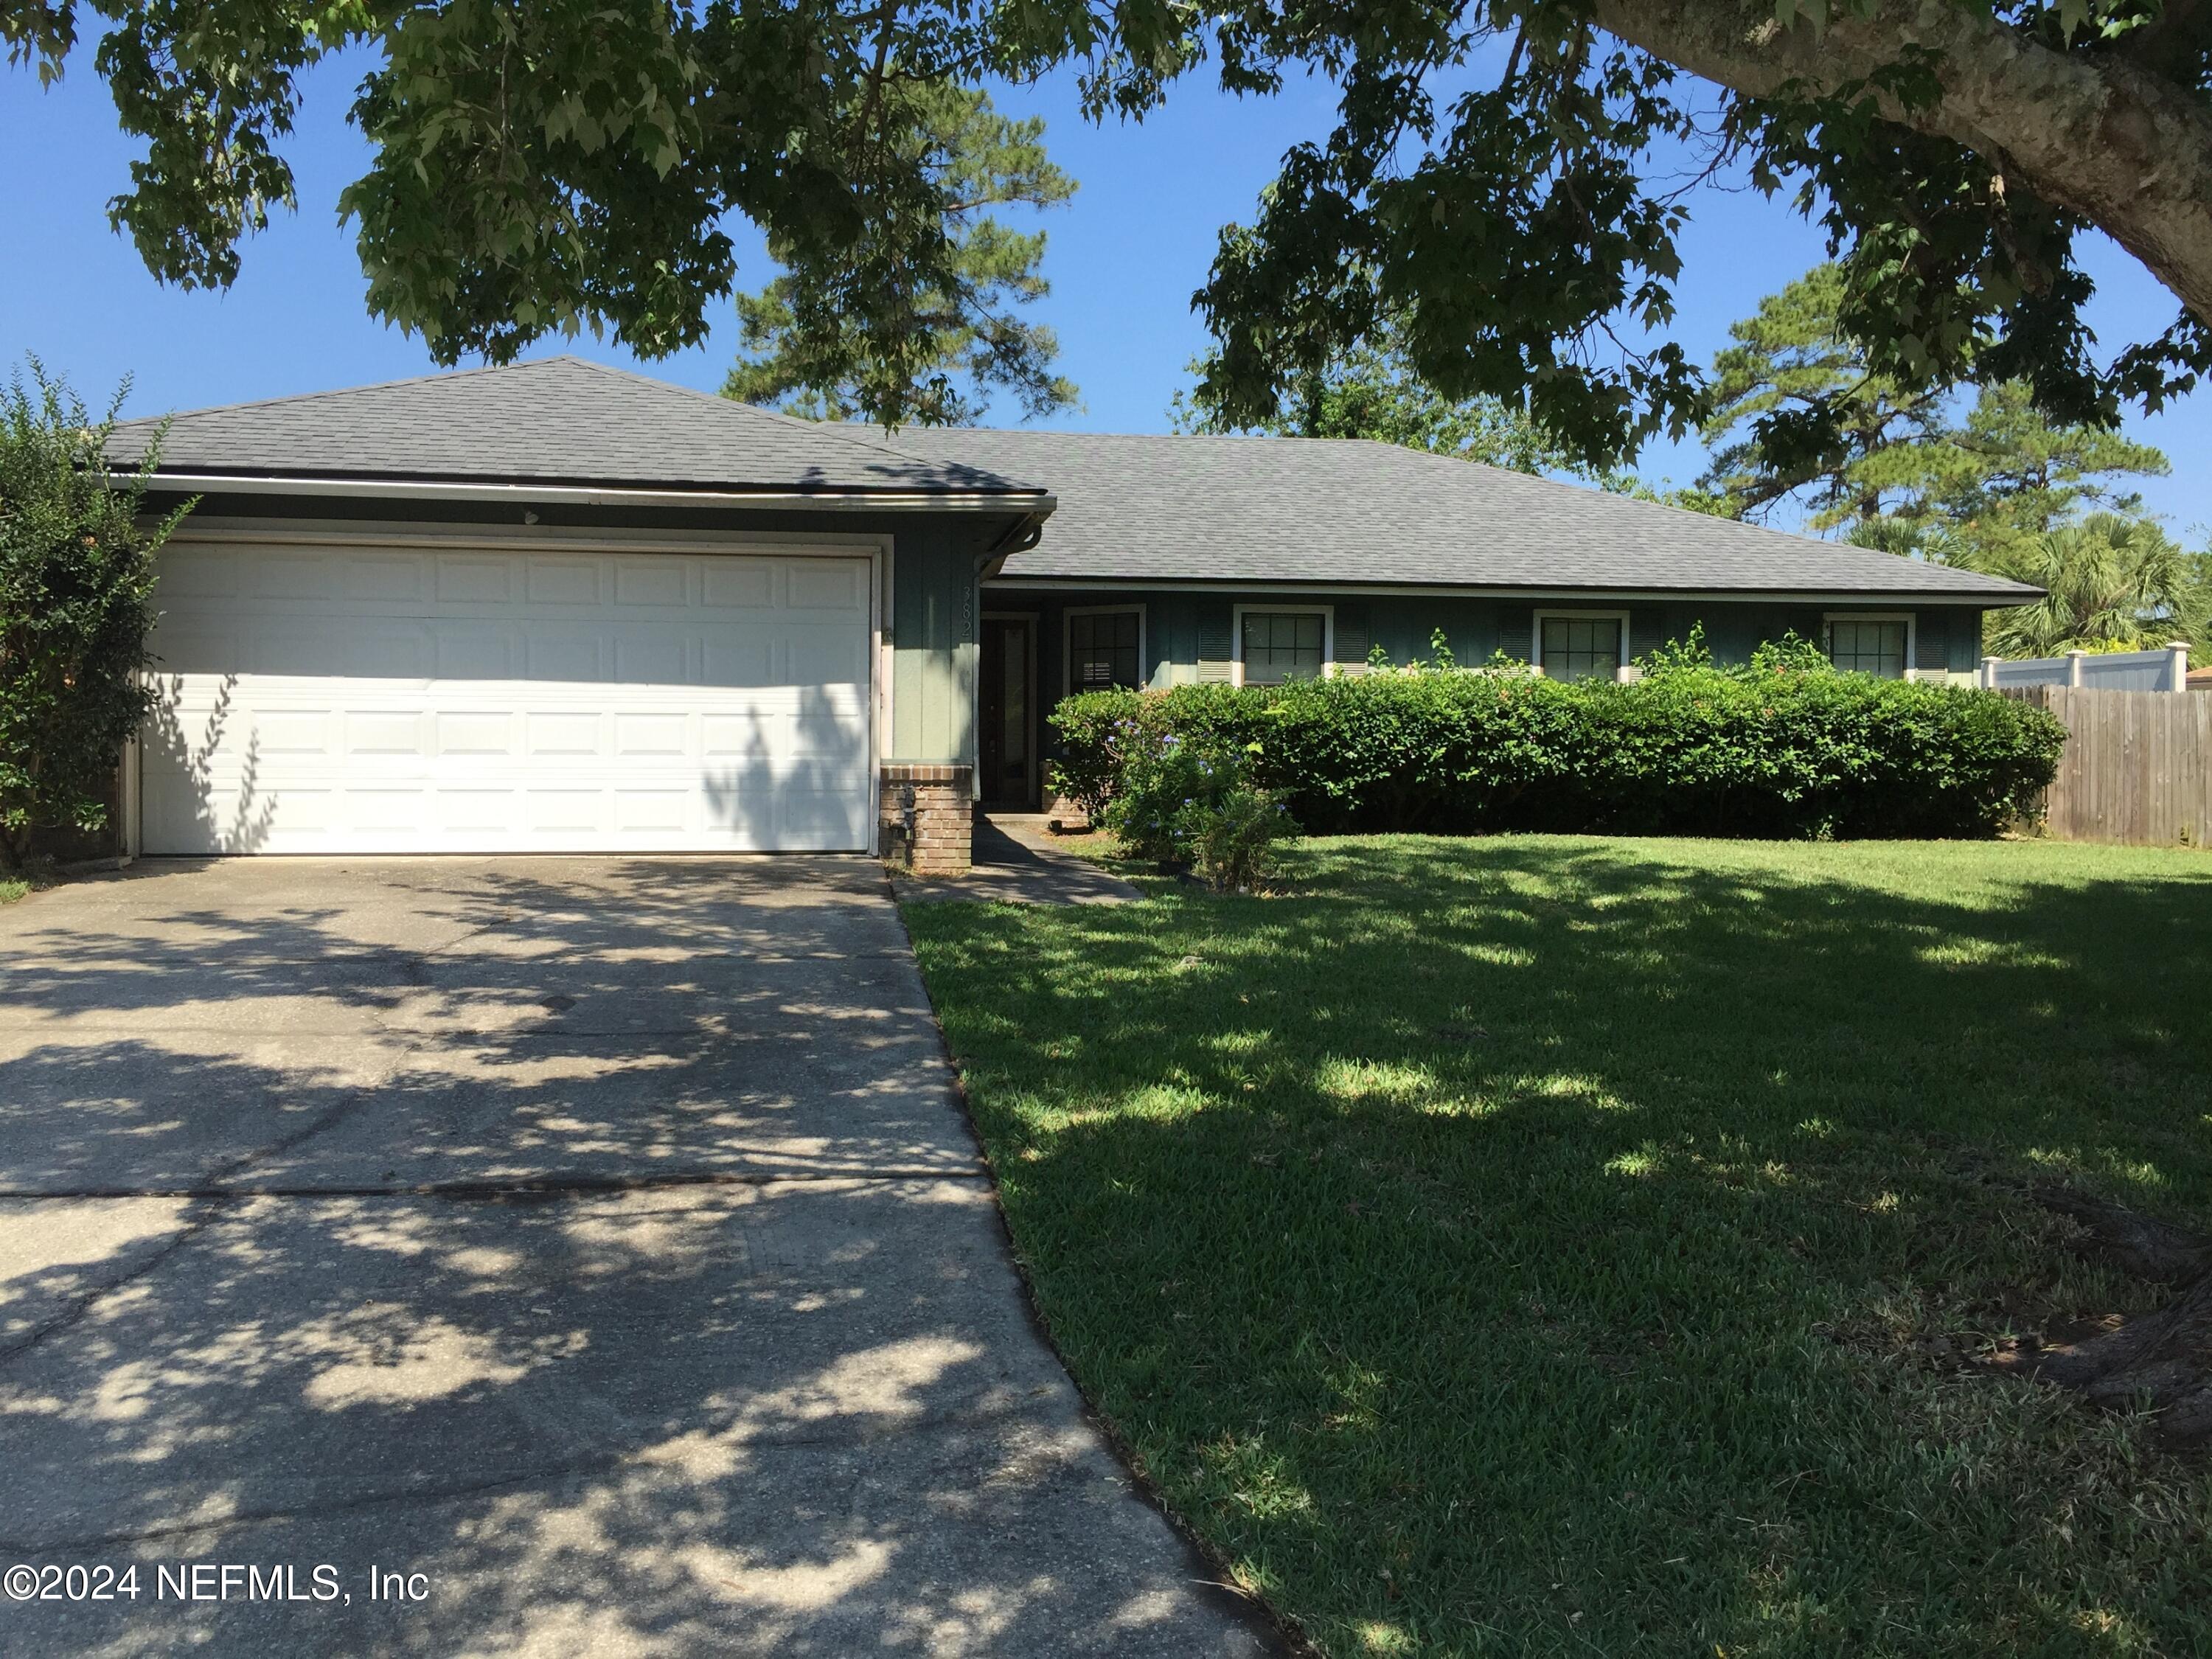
1067 640
1326 612
1525 595
521 538
523 495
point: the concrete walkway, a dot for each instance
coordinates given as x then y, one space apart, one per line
600 1240
1017 861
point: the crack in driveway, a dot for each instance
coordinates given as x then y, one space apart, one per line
525 1307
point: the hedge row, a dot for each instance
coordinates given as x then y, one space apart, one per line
1697 751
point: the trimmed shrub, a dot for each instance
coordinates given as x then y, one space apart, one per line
1191 800
1783 748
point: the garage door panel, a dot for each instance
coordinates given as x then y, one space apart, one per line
640 736
823 657
566 655
838 586
476 812
295 732
739 658
389 577
655 811
382 731
189 572
467 579
477 733
562 582
566 811
779 732
476 651
738 584
662 715
290 575
643 580
648 656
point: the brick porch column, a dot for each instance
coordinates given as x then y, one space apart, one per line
942 802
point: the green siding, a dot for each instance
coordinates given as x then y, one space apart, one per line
934 613
1188 635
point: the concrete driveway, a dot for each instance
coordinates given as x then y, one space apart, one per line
591 1250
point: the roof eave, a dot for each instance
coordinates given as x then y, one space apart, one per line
525 492
1987 598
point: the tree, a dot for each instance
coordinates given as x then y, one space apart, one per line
1372 391
546 168
1790 356
76 585
2008 474
1953 152
2110 582
1898 470
798 332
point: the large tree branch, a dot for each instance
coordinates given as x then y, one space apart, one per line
2099 135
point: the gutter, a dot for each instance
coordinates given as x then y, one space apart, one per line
2017 595
1024 533
1038 502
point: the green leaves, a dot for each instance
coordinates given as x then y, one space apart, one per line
1784 747
913 318
77 584
1499 187
1372 390
2109 583
1804 418
530 177
1507 242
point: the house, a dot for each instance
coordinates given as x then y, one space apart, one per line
558 607
1175 559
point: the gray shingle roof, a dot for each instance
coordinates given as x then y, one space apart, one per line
559 420
1344 512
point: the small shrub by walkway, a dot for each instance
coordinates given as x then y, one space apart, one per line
1530 1246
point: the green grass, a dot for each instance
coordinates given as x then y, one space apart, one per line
12 888
1550 1245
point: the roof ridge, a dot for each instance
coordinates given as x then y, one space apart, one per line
825 431
831 428
1063 432
346 391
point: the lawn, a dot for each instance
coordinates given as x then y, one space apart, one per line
1559 1245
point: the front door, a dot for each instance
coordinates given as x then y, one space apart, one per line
1006 745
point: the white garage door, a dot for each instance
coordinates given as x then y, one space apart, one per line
391 699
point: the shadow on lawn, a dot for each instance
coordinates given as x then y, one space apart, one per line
1584 1243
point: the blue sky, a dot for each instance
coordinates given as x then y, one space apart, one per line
1123 259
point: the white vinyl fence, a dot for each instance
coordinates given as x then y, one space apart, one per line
2164 670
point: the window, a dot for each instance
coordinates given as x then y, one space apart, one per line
1581 645
1275 646
1104 649
1880 645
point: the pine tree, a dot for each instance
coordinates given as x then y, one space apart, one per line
962 339
1898 470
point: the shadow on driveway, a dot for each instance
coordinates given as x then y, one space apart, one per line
601 1240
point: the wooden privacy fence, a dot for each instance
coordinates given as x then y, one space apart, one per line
2137 766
